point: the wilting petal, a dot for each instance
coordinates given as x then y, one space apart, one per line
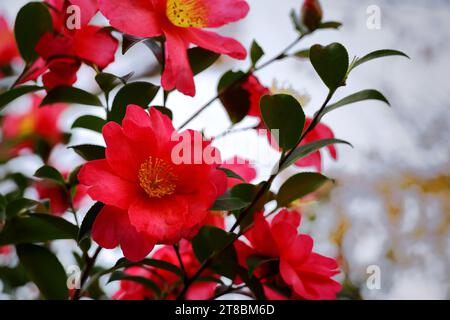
216 43
177 72
134 17
95 45
107 187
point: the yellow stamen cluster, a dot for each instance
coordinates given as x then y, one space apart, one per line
156 177
187 13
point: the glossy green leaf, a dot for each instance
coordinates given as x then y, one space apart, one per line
108 81
378 54
234 98
129 41
50 173
211 240
299 186
14 93
89 151
37 228
330 25
89 122
45 270
201 59
309 148
256 52
32 21
331 63
158 264
138 93
118 276
255 261
356 97
88 221
165 111
19 206
231 174
71 95
283 113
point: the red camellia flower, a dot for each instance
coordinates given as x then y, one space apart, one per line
21 130
56 194
62 52
256 90
170 283
8 49
5 250
307 274
155 187
181 23
241 167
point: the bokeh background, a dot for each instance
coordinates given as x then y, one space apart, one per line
391 205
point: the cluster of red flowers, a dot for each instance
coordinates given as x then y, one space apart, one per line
150 198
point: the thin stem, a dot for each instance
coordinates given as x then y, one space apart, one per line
229 289
177 251
279 56
90 262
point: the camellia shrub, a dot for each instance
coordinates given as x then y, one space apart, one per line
190 225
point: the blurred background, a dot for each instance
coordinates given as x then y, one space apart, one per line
390 210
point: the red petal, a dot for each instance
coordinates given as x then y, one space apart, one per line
88 9
216 43
241 167
107 187
95 45
177 72
221 12
292 217
134 17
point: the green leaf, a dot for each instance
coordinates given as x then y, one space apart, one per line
201 59
331 64
118 275
303 54
309 148
71 95
356 97
283 113
45 270
158 264
50 173
165 111
88 221
138 93
13 277
156 49
256 53
128 41
108 81
37 228
253 283
73 177
378 54
19 206
234 98
211 240
231 174
299 186
3 203
228 202
14 93
330 25
32 21
89 122
89 151
255 261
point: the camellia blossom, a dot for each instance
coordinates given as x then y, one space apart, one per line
150 196
62 52
181 23
256 91
21 131
307 274
57 195
8 49
170 283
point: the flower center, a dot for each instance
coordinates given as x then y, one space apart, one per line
156 177
26 126
186 13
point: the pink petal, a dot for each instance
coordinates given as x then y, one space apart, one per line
134 17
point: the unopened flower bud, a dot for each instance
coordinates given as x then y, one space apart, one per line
311 14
